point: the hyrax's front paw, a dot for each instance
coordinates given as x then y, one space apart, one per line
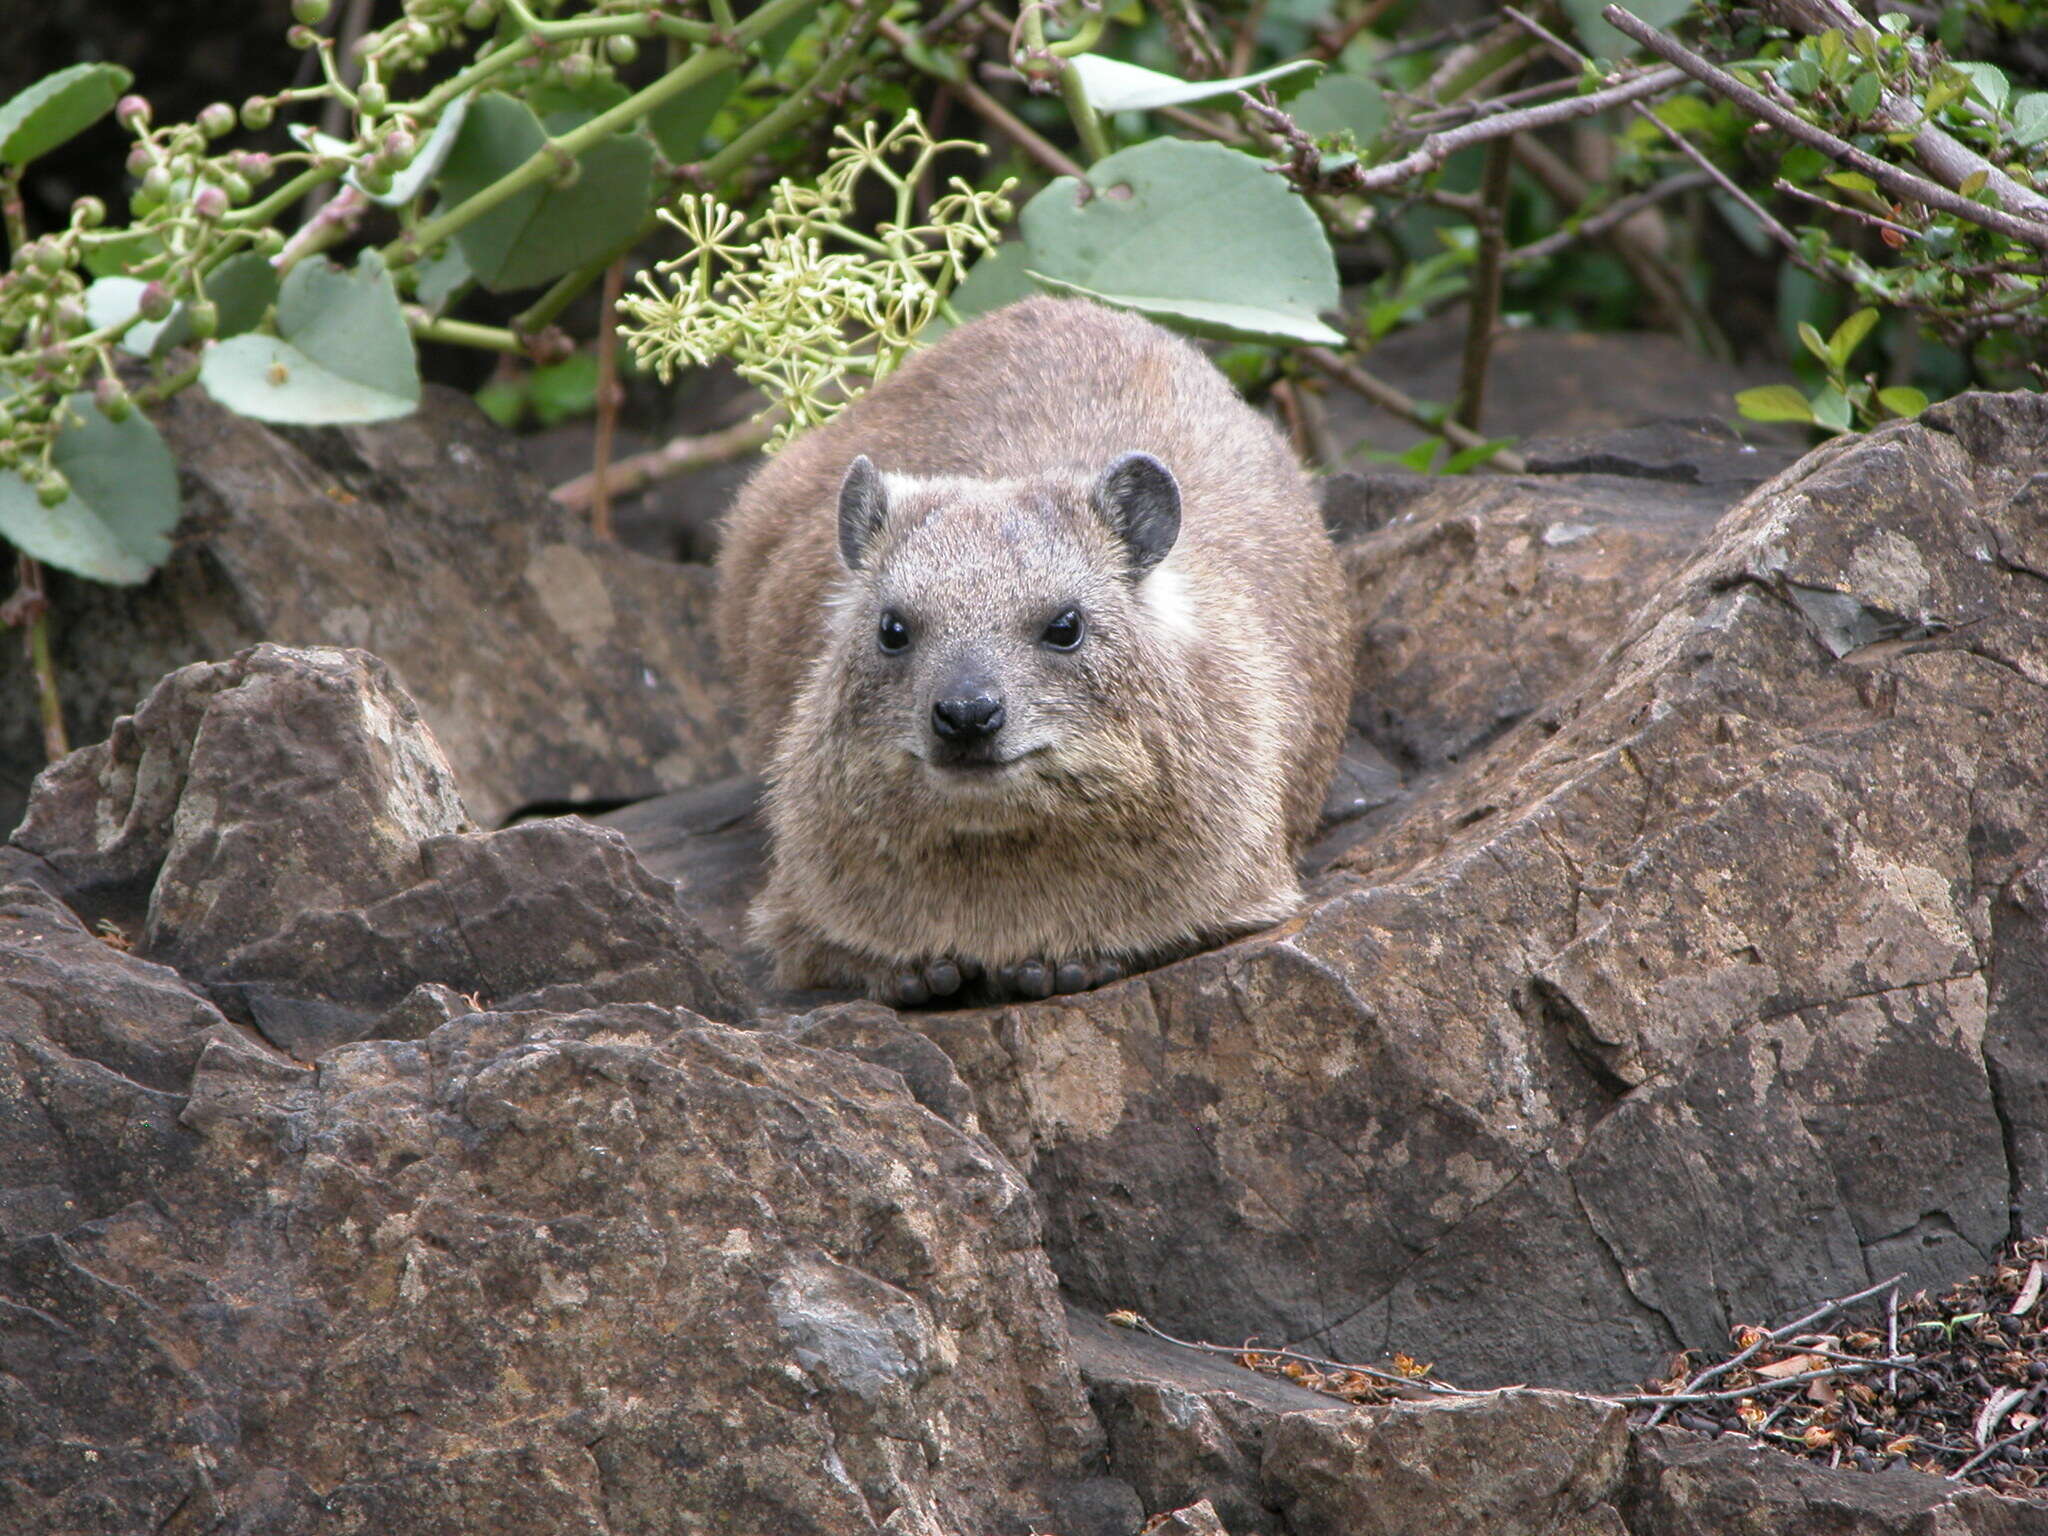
934 981
1042 978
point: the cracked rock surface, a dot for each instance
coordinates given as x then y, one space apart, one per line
1677 957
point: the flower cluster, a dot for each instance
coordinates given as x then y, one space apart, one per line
798 297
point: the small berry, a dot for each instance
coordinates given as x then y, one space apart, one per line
155 303
302 37
205 317
52 489
132 113
88 213
217 120
113 399
258 113
311 12
621 49
372 97
51 257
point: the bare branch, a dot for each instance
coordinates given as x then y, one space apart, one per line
1951 163
1615 214
1396 403
1439 147
677 456
1900 183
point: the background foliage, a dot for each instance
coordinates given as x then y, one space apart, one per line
419 182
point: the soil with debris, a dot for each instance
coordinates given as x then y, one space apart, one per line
1955 1384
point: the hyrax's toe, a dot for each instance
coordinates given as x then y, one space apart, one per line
1027 978
1071 976
943 978
908 989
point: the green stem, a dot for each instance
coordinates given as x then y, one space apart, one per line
547 161
462 333
41 662
13 209
800 104
257 215
542 312
1094 142
1087 125
1083 41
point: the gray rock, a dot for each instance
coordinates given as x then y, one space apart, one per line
606 1271
554 668
1668 1009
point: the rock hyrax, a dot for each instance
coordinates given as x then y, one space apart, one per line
1046 656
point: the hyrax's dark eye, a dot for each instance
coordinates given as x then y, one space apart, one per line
894 634
1064 632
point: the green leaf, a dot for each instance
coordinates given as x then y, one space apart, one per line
564 389
1864 95
999 278
342 352
1973 183
115 257
1814 344
1191 233
1848 337
544 231
1803 163
439 278
241 289
116 524
1831 409
1989 82
2030 119
1602 40
503 400
680 123
1774 402
1340 104
1471 458
1852 181
1114 86
1903 400
58 108
1422 457
1801 77
426 162
1687 114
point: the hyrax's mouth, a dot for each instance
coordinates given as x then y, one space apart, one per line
969 767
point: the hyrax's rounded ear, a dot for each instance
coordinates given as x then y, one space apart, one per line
862 506
1140 500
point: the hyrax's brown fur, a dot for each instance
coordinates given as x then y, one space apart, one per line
1153 784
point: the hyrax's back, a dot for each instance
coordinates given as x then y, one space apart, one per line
1043 385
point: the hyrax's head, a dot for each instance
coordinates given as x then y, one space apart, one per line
998 644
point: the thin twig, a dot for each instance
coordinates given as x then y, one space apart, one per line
1859 214
1334 42
1615 214
1434 150
1418 1383
1891 1315
1396 403
677 456
30 608
1247 37
1483 306
1826 1309
989 109
1902 184
1665 1401
609 396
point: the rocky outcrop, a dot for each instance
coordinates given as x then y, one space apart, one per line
555 669
1675 967
561 1254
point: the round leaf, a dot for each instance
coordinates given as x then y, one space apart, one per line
1114 86
544 231
1343 104
116 524
1774 402
58 108
342 352
1191 233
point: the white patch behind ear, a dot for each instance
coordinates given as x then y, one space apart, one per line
1164 592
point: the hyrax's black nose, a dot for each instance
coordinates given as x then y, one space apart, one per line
968 719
